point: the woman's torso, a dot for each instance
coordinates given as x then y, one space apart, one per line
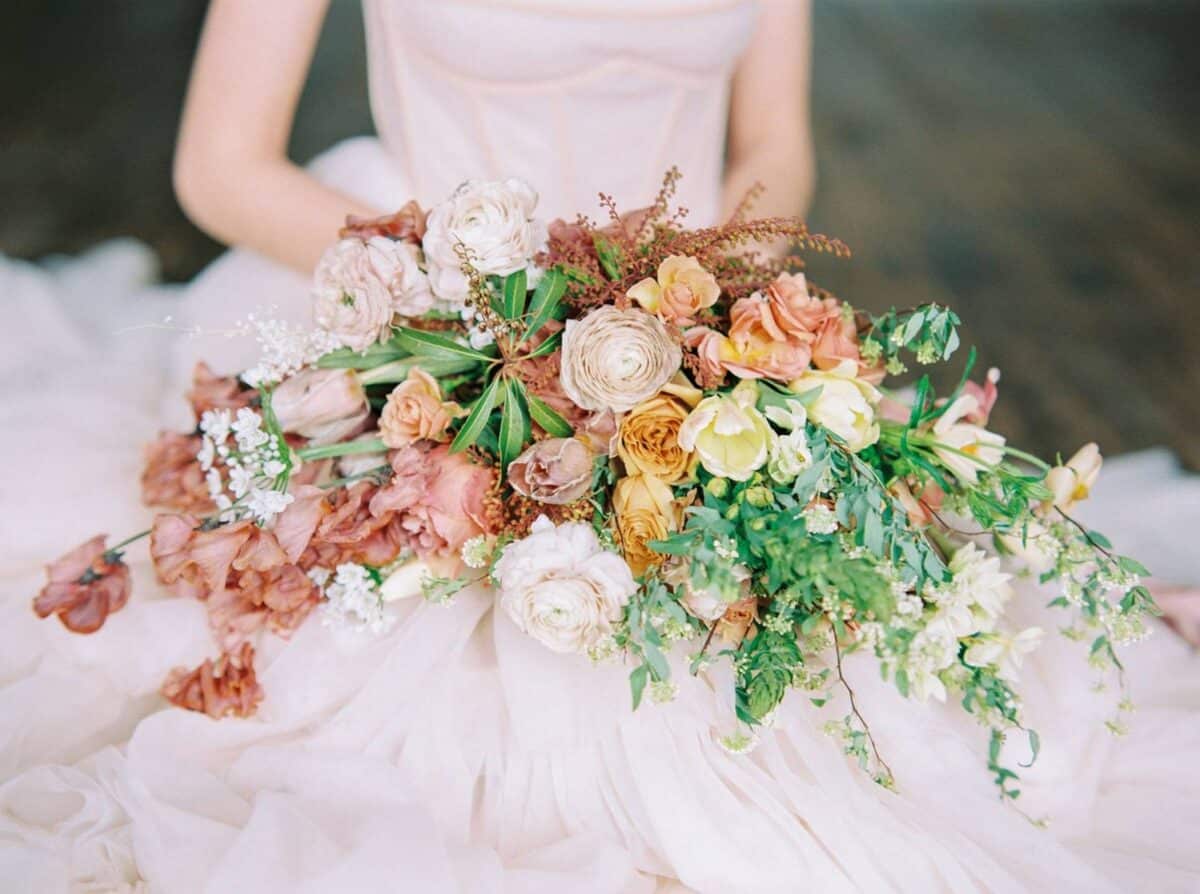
574 96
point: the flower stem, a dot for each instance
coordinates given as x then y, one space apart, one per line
347 448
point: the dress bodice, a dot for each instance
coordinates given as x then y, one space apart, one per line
574 96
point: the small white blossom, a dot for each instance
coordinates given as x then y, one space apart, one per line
353 600
820 519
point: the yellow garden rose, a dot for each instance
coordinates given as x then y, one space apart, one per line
728 433
648 440
646 511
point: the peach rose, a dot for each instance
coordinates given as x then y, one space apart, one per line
646 511
683 289
792 312
415 411
837 343
751 350
648 439
556 471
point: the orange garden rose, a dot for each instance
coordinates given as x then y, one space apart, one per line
646 511
648 440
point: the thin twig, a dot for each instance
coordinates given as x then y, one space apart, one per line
837 651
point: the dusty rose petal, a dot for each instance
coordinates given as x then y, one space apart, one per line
84 587
294 526
172 477
213 392
406 225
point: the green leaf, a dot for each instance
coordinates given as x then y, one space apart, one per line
549 421
514 295
514 423
1035 746
376 355
430 344
477 419
548 346
546 300
637 683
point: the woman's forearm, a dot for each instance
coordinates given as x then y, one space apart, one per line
787 176
273 207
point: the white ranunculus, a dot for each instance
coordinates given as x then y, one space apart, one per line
360 285
964 448
560 586
614 359
493 220
845 405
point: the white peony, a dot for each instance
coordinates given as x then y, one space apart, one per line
360 285
560 586
614 359
493 220
844 405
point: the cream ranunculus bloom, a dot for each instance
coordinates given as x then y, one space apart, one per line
560 586
728 433
966 449
1073 482
614 359
494 222
683 289
648 438
646 511
844 406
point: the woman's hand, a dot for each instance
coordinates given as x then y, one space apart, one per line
770 137
232 173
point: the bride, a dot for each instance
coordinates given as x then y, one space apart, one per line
453 753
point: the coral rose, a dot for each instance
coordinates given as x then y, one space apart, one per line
646 511
560 586
683 289
792 312
415 411
556 471
837 343
615 359
84 587
648 439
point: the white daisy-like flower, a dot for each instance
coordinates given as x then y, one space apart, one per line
353 601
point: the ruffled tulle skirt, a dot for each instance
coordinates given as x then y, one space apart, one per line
454 753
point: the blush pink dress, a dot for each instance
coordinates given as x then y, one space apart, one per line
453 753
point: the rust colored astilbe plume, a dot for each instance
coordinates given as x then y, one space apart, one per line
225 687
605 261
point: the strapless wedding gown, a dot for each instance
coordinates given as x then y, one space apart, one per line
454 753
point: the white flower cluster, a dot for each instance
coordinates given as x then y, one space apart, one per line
255 470
352 599
790 453
285 349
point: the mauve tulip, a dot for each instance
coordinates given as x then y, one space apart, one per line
323 405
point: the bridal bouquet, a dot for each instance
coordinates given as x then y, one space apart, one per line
642 438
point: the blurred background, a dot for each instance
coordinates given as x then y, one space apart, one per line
1034 164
